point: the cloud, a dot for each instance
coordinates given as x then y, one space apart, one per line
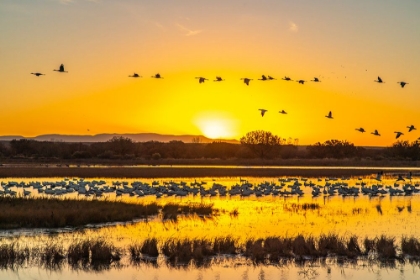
189 32
293 27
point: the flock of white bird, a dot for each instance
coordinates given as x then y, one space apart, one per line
266 78
344 186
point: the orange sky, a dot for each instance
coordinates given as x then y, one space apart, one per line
346 44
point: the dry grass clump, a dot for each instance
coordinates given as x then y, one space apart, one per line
183 251
383 246
278 248
104 252
410 246
254 250
224 245
13 253
296 207
302 246
78 251
149 247
171 211
332 244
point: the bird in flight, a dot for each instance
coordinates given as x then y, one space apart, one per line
157 76
379 80
60 69
37 74
287 78
376 133
411 128
135 75
262 112
315 80
398 134
361 129
218 79
329 116
201 79
301 82
263 78
283 112
402 84
271 78
246 81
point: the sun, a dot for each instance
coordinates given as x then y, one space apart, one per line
217 127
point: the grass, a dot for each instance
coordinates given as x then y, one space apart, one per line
18 212
296 207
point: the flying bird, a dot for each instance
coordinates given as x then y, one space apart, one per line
376 133
157 76
411 128
246 81
60 69
315 80
301 82
379 80
398 134
283 112
262 112
271 78
218 79
135 75
263 78
287 78
201 79
37 74
402 84
361 129
329 116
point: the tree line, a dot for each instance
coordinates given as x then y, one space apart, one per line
255 144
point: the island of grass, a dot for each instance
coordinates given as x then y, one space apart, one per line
24 212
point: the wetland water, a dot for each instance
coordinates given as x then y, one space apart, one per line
242 218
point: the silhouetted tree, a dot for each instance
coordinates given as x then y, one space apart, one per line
262 143
121 145
405 150
333 149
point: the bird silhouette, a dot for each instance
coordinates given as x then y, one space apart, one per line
315 80
201 79
411 128
263 78
246 80
283 112
301 82
376 133
287 78
37 74
157 76
262 112
329 116
402 84
135 75
218 79
399 133
60 69
379 80
361 129
271 78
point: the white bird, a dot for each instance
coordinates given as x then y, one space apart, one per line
37 74
61 69
379 80
246 80
376 133
398 134
157 76
201 79
135 75
283 112
402 84
218 79
361 129
262 112
329 116
411 128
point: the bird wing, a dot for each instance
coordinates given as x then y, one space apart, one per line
62 67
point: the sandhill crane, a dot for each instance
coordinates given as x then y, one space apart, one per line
287 78
263 78
60 69
157 76
411 128
301 82
201 79
262 112
379 80
246 80
361 129
376 133
283 112
399 133
135 75
37 74
218 79
315 80
402 84
271 78
329 116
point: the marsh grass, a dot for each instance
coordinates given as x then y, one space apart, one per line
410 246
13 254
296 207
171 211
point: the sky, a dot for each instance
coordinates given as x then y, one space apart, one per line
347 44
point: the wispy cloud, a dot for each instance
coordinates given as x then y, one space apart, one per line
189 32
293 27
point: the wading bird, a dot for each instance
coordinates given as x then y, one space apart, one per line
246 81
37 74
60 69
135 75
376 133
287 78
218 79
402 84
379 80
361 129
399 133
315 80
157 76
262 112
283 112
201 79
329 116
411 128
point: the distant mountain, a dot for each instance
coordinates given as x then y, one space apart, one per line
137 137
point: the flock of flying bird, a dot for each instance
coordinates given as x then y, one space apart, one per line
264 78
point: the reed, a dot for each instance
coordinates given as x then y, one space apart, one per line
224 245
149 247
410 246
